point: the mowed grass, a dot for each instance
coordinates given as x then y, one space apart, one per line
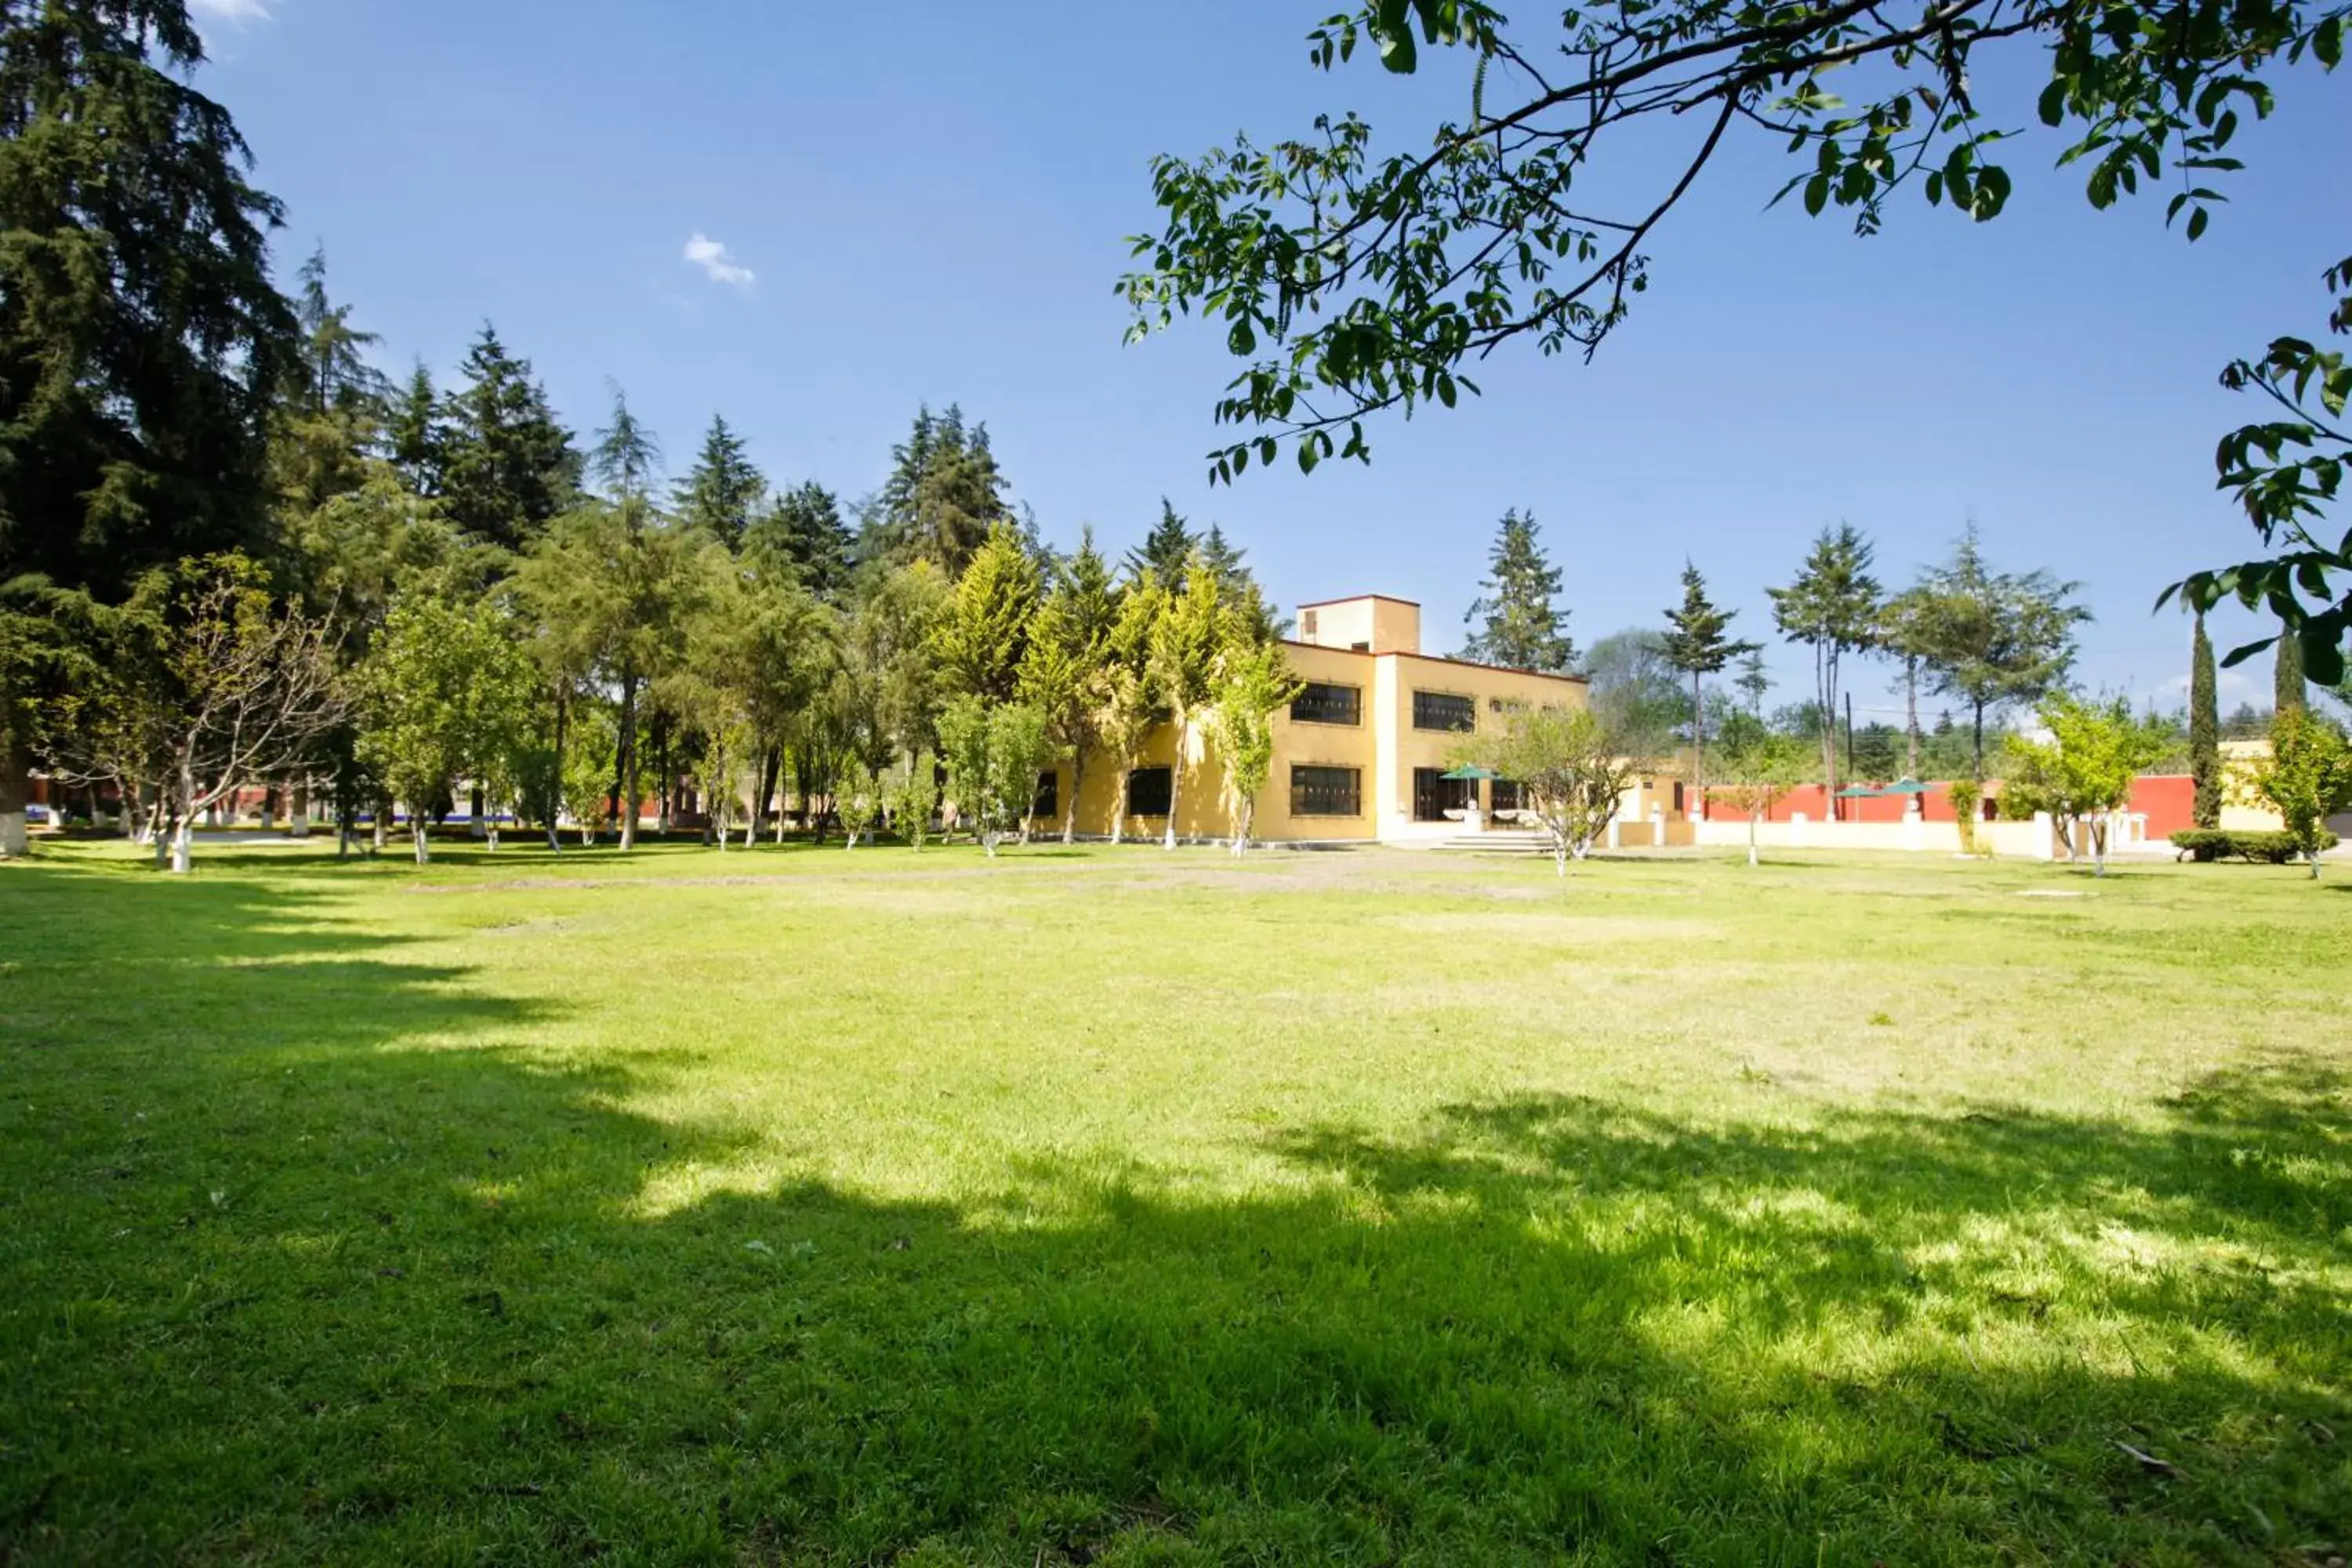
1111 1206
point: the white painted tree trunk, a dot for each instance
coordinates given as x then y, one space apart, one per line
1176 784
422 845
182 846
297 809
1752 820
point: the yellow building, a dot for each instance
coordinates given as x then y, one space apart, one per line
1359 756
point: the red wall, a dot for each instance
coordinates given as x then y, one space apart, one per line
1936 805
2165 799
2169 799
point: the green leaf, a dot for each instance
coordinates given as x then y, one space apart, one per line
2328 41
1395 31
2054 102
1817 194
2196 220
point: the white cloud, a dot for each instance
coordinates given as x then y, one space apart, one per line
710 256
236 13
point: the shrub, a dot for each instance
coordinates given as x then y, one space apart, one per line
2270 846
2202 843
1966 795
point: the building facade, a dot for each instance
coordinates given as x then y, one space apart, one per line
1360 756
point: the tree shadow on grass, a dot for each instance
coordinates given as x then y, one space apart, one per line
307 1259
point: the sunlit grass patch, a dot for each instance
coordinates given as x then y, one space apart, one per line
832 1208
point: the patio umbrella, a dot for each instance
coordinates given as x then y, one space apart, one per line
1860 791
1470 771
1907 786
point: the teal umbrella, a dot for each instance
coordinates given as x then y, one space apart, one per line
1860 791
1907 786
1471 771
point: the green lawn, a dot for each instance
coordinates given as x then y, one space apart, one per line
1117 1207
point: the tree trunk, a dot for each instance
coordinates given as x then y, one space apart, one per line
422 845
382 826
1078 780
1698 737
490 832
298 810
1751 835
1824 685
1979 734
183 818
1118 804
1176 783
1242 826
16 786
762 780
1911 710
631 797
2098 847
553 805
475 805
666 791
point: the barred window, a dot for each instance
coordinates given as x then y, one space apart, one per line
1047 801
1327 792
1149 790
1507 795
1443 710
1318 703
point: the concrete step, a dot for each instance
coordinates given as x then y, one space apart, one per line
1500 842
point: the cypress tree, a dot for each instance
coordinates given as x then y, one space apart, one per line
2287 695
2204 728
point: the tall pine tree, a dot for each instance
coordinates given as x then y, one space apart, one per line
1833 607
1519 624
944 493
723 487
506 467
803 531
1166 549
413 433
141 341
1699 642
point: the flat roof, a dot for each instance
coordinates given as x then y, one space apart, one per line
1434 659
1352 598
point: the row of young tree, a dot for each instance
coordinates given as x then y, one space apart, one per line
1985 639
1994 642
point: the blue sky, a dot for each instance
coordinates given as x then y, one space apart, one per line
813 218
